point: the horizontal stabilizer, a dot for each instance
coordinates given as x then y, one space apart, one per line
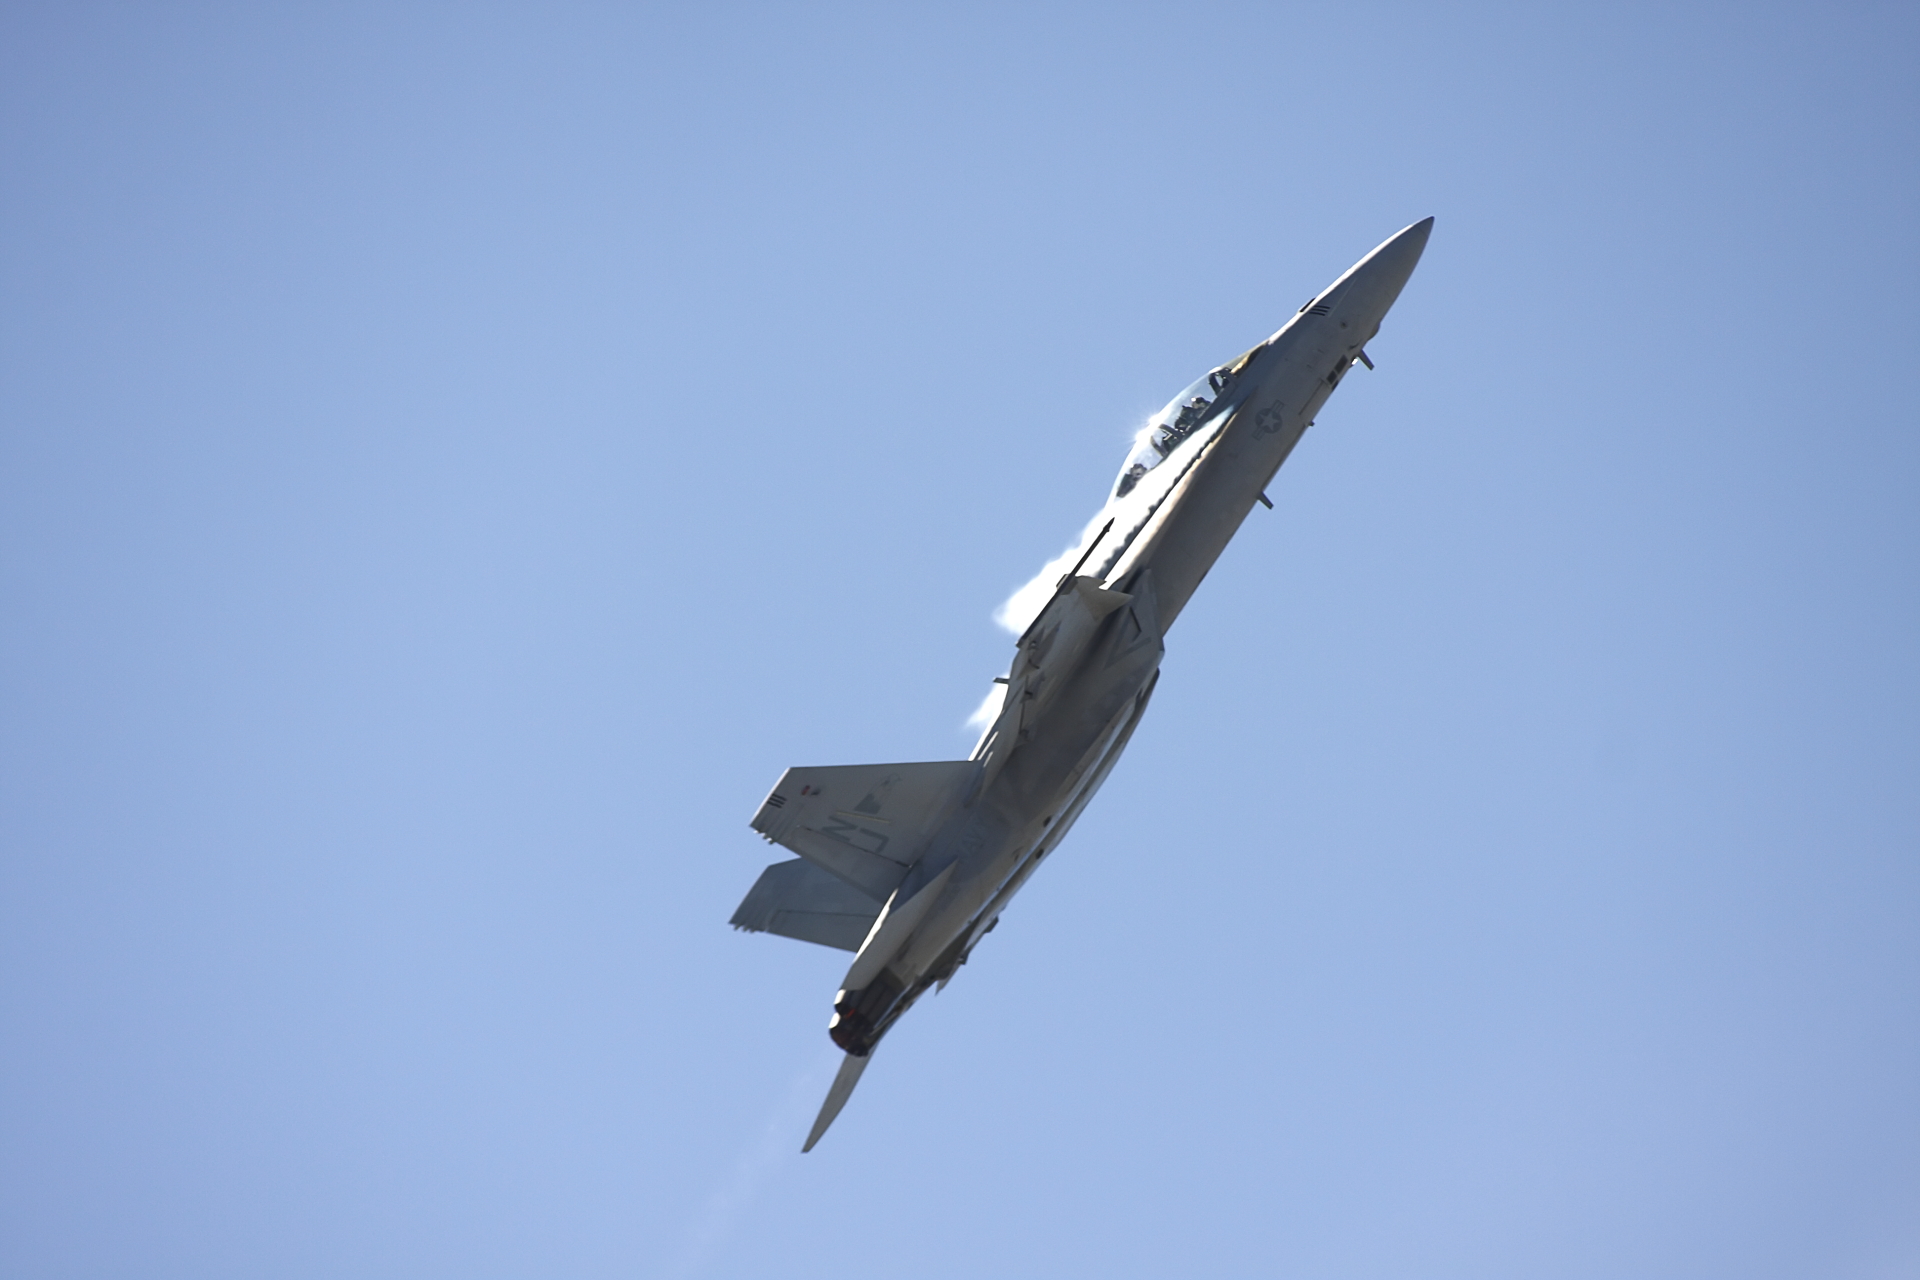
866 823
798 900
848 1076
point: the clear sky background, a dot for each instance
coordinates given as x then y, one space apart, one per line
452 459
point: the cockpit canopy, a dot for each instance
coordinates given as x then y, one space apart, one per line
1181 418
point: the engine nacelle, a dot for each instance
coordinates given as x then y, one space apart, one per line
860 1017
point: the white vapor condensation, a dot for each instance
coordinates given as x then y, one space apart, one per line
1019 610
1131 513
777 1143
989 708
1025 604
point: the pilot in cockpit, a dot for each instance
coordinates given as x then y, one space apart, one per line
1166 429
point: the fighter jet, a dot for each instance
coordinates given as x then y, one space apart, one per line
909 866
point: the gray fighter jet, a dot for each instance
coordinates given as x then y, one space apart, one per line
908 866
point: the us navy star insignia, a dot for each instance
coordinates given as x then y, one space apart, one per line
1267 421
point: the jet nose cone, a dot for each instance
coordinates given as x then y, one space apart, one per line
1376 280
1400 252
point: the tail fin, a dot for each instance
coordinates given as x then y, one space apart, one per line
849 1076
866 823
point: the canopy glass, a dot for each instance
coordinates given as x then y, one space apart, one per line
1181 418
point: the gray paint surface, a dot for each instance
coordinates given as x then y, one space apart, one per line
948 845
452 462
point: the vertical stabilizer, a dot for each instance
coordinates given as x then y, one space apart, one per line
849 1076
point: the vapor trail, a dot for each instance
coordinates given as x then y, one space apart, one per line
1024 605
777 1143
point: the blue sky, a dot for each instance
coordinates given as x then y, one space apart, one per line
453 458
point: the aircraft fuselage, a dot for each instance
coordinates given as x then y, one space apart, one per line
1068 716
942 847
